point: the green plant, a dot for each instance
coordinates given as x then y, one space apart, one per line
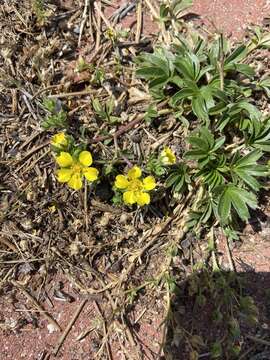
39 10
57 116
105 112
225 155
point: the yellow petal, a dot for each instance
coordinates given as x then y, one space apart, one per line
64 159
64 175
59 140
134 173
142 198
129 197
91 173
149 183
75 182
85 158
167 156
121 182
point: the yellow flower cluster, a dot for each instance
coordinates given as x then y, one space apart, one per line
135 189
73 168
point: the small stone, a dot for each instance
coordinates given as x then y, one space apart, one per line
51 328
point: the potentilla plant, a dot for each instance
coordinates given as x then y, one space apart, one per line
228 141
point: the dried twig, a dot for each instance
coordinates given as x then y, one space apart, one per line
229 255
84 18
121 131
100 14
72 94
139 22
258 340
68 328
109 352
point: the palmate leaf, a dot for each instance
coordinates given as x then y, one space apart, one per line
241 68
264 85
247 169
188 67
258 134
182 94
199 108
236 111
157 68
237 198
203 146
178 178
214 174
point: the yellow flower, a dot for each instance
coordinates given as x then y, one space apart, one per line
167 156
59 140
110 33
72 170
135 189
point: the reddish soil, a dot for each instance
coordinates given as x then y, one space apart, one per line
21 338
233 16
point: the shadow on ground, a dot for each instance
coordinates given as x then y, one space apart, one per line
221 315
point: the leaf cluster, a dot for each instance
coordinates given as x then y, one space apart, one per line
212 87
56 116
105 112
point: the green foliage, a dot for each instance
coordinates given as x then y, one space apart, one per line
151 113
204 147
257 134
216 350
39 10
155 166
259 40
173 10
178 178
234 197
105 111
225 157
56 118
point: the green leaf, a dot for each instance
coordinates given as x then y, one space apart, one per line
246 168
182 94
237 55
216 350
224 206
237 197
199 108
180 5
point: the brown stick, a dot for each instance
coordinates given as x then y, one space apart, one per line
68 328
105 330
119 132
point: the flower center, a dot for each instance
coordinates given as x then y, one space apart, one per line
76 168
135 185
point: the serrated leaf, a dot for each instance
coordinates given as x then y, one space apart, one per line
182 94
239 198
199 108
224 206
